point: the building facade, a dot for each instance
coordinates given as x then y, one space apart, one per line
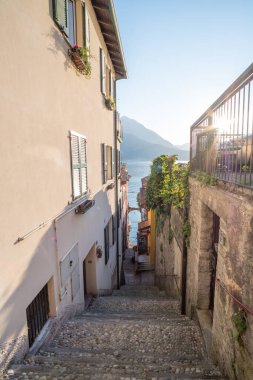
60 162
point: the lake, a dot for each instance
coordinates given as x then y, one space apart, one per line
137 170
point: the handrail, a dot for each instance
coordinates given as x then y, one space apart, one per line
230 90
246 308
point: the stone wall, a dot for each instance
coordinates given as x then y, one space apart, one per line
169 246
232 350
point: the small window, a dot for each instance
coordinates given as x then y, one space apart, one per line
64 16
107 163
78 165
71 23
107 243
102 72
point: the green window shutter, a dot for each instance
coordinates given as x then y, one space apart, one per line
86 28
104 162
60 11
102 72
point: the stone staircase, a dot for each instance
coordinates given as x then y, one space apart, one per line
137 333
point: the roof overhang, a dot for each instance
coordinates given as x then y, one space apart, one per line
106 17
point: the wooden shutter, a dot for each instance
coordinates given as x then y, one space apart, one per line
118 162
113 163
104 162
102 72
83 165
86 28
78 165
76 180
60 12
111 85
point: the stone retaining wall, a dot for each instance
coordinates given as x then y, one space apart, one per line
169 246
233 351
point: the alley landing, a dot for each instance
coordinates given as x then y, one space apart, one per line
136 333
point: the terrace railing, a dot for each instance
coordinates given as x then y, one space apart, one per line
222 138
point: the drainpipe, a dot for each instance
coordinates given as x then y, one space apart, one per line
116 186
184 266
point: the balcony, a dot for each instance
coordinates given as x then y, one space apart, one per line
222 138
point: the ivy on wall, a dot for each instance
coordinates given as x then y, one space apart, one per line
167 185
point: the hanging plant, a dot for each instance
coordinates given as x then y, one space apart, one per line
81 57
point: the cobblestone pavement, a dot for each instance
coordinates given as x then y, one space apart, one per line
137 333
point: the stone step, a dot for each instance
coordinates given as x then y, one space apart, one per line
168 318
128 304
53 366
160 362
119 356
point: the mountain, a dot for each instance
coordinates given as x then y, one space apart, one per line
185 146
140 143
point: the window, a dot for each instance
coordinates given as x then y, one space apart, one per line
106 77
109 237
107 243
102 72
71 23
107 162
64 16
86 28
118 159
78 164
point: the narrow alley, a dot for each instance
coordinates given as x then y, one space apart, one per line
137 333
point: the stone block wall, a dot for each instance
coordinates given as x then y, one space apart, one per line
169 246
233 351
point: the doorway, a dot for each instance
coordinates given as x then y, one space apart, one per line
90 275
213 259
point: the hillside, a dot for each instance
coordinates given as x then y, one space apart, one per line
140 143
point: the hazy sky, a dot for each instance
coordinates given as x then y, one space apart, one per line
181 55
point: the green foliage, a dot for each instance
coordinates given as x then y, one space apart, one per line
160 220
205 178
240 323
167 184
86 56
138 199
186 230
170 235
110 102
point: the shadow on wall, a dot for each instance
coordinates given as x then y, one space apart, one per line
14 334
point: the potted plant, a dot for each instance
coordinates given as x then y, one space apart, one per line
110 103
81 57
99 251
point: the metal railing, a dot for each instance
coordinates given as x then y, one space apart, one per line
222 138
244 307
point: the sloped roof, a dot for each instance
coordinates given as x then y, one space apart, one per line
106 17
